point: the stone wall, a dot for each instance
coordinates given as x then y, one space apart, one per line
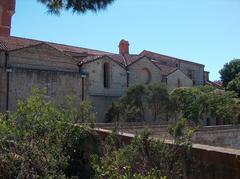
197 71
223 136
40 66
212 162
118 79
176 77
56 84
101 98
144 72
41 56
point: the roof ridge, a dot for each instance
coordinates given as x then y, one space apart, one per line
175 58
124 60
54 43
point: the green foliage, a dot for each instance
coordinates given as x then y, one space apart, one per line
182 132
131 104
234 85
79 6
84 114
113 114
78 146
195 103
142 158
190 102
157 99
42 140
230 71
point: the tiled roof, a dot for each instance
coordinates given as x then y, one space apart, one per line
118 58
83 55
12 43
214 83
165 70
131 58
164 60
3 46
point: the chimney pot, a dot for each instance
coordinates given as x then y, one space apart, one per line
7 9
124 47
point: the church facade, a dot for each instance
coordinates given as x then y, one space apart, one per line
97 76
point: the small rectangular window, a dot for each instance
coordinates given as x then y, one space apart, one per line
179 83
164 80
106 75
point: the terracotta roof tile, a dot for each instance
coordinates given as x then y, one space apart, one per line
83 55
3 46
117 58
165 70
164 60
13 43
131 58
214 83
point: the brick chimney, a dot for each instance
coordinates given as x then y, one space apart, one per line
7 9
123 47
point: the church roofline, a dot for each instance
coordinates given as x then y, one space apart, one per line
173 58
44 43
98 58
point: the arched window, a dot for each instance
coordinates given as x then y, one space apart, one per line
106 75
146 75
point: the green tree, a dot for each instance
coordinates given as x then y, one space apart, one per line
42 140
234 85
157 99
145 157
230 71
132 103
195 103
79 6
189 102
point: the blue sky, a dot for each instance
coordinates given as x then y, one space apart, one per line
203 31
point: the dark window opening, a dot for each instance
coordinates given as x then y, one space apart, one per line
208 122
106 75
179 83
164 80
190 74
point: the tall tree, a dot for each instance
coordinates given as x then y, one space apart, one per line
79 6
230 71
157 98
234 85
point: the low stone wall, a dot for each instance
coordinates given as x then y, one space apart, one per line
214 162
223 136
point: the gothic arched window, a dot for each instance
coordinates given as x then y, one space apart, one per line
106 75
146 75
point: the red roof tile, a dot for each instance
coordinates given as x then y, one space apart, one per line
165 70
164 60
214 83
12 43
83 55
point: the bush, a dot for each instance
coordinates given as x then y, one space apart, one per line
142 158
42 140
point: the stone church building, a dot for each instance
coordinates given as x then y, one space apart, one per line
100 77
